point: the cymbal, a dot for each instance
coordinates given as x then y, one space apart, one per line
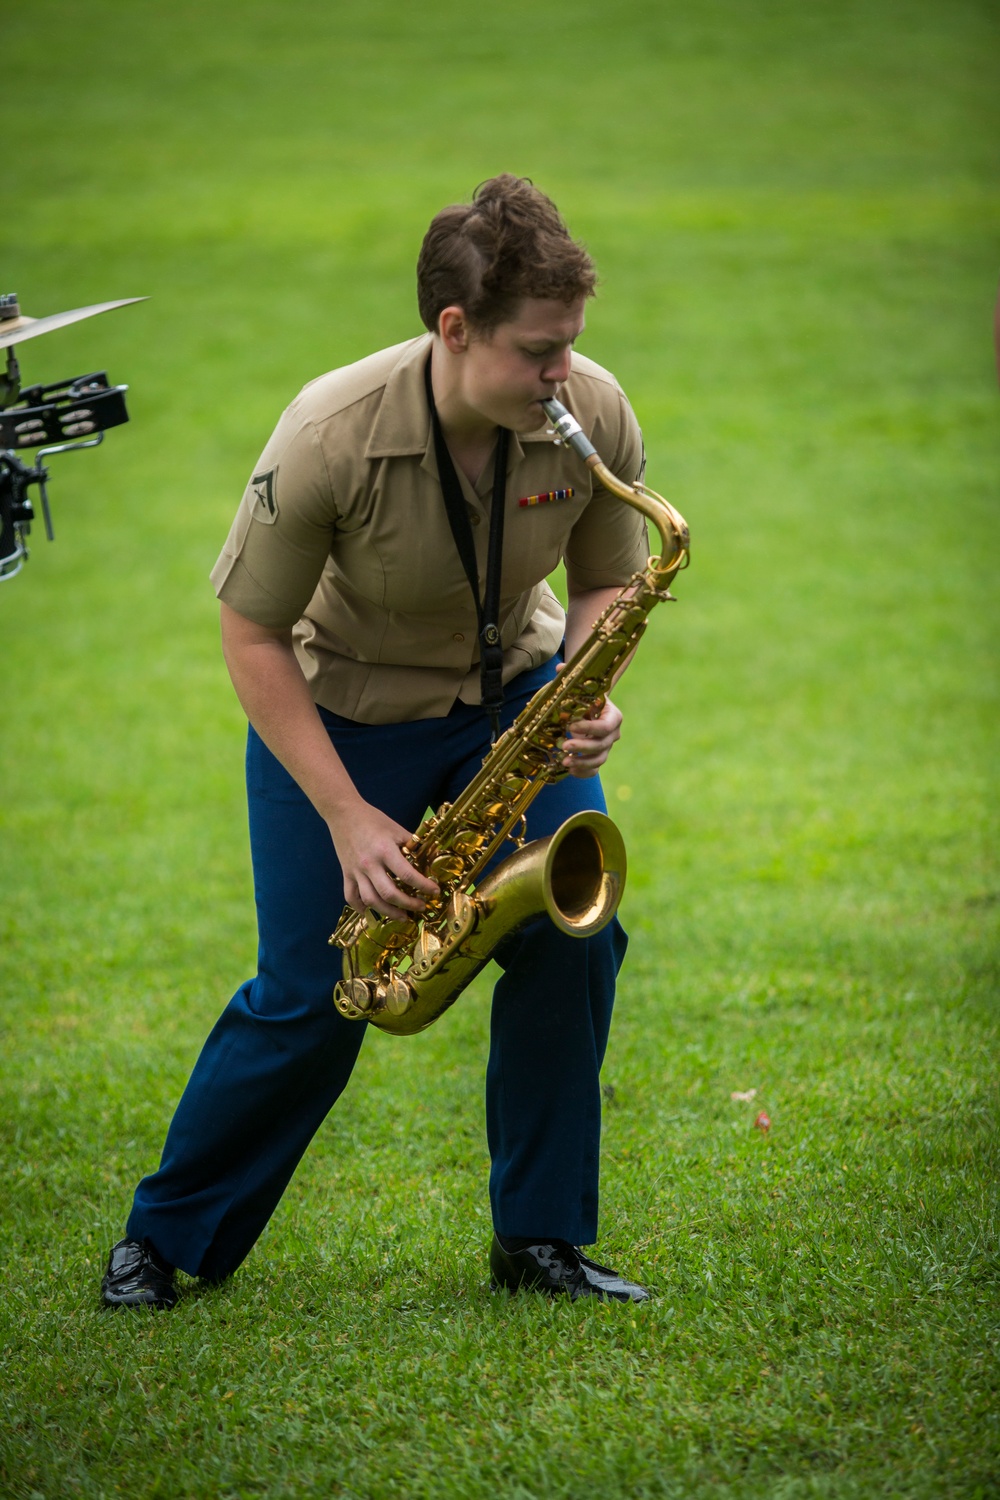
14 330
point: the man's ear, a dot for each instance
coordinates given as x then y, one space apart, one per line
453 330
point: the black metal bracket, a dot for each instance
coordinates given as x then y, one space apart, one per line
63 412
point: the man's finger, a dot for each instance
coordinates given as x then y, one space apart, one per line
586 749
592 732
391 891
406 877
385 905
583 770
594 726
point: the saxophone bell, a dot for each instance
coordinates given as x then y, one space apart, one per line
575 876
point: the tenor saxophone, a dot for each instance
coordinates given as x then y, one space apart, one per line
402 974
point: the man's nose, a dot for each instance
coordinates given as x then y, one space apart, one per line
558 367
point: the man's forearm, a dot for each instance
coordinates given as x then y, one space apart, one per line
581 613
276 699
583 610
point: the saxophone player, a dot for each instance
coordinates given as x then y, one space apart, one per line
384 614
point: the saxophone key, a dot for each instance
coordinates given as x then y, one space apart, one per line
390 933
462 913
469 841
348 929
427 944
446 868
395 996
354 998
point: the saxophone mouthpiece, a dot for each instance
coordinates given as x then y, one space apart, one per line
568 429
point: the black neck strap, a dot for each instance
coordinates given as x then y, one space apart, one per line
488 608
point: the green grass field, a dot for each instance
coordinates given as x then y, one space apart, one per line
795 213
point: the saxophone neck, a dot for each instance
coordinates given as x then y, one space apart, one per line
675 541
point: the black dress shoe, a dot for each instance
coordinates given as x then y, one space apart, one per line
555 1266
137 1277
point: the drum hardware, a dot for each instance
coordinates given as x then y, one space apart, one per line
56 418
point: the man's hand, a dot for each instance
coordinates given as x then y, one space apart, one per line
589 741
376 871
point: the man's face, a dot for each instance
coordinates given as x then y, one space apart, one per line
507 373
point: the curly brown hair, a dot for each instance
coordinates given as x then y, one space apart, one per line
510 242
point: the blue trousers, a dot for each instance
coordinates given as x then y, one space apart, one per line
280 1054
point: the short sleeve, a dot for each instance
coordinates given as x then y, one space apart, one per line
280 540
609 543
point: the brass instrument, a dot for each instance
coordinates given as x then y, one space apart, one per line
401 974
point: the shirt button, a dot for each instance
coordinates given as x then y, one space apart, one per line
458 636
475 517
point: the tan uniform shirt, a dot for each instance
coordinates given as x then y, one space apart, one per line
342 533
